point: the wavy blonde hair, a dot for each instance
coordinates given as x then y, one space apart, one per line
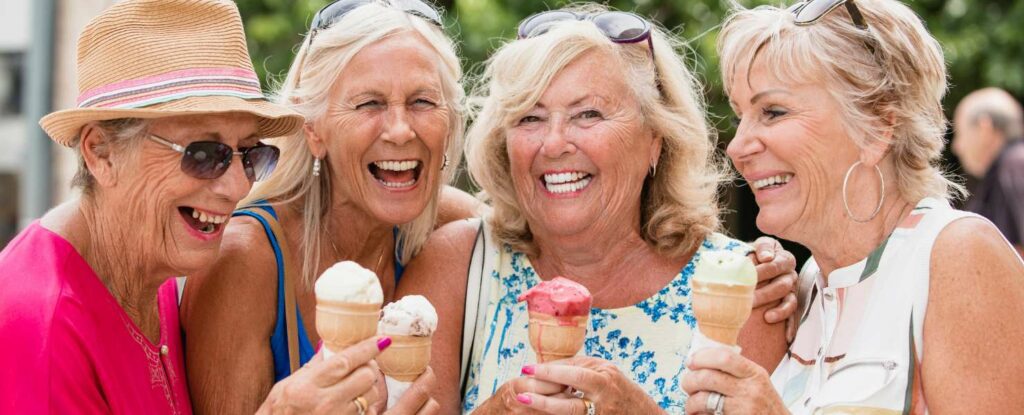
898 86
318 65
678 205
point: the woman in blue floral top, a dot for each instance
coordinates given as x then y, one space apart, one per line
593 148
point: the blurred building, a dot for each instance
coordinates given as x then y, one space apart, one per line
14 44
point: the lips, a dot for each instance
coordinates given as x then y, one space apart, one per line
396 174
771 182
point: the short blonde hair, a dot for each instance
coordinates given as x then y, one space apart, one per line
891 76
678 204
306 89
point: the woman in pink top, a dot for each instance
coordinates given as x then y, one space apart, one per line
88 308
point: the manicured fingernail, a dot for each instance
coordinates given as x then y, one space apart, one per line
529 370
383 343
524 399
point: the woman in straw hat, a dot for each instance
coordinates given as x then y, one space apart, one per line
88 311
379 85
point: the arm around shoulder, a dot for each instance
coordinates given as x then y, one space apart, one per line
972 362
228 315
438 272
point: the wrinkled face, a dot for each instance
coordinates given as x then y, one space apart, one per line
181 218
385 129
580 155
971 144
792 150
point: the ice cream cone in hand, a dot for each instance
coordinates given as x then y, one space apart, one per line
559 310
410 322
723 293
348 300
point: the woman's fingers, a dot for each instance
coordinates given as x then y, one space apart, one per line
338 366
430 408
781 312
578 377
709 380
553 405
765 249
775 290
725 360
697 403
418 394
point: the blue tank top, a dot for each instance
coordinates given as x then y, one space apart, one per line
279 339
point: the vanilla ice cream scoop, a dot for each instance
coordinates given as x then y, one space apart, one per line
413 315
725 267
349 282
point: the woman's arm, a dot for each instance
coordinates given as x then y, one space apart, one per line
972 360
228 315
438 272
454 204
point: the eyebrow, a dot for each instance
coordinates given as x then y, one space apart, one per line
762 94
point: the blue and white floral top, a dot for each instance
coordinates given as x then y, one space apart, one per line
648 341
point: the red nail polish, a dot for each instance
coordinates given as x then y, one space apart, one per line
383 343
529 370
524 399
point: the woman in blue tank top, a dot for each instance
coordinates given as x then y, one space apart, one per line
364 181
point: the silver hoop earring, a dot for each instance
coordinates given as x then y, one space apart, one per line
444 165
881 199
316 167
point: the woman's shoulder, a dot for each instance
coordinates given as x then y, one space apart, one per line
454 204
447 252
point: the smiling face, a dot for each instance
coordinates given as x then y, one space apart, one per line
792 150
385 129
580 155
179 218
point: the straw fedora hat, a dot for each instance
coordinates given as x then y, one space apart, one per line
162 58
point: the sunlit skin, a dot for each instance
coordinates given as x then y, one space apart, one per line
793 130
597 131
131 231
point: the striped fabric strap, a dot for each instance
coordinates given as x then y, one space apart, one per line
142 92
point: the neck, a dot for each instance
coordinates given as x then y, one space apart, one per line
355 235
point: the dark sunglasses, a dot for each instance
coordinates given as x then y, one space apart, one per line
211 159
333 12
619 27
810 11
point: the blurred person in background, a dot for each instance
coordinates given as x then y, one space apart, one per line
989 141
915 306
168 136
365 180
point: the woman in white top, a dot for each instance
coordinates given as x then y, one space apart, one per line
914 306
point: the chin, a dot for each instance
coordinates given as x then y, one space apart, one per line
771 223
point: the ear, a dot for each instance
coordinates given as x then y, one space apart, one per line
316 143
876 149
95 151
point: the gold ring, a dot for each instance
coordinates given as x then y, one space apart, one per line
361 405
591 409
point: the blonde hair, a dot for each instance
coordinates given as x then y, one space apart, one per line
889 77
318 65
678 204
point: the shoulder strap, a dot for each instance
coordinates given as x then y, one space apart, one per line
477 290
291 321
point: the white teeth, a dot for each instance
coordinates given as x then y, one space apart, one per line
195 214
560 178
208 218
768 181
567 187
397 185
397 165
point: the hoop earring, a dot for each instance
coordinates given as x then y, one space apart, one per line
444 165
654 170
881 199
316 167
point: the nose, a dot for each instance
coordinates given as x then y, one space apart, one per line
745 144
233 185
397 129
556 143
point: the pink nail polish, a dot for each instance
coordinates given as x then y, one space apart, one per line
529 370
524 399
383 343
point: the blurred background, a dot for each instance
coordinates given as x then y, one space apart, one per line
983 41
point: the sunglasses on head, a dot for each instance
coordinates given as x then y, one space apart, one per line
211 159
333 12
619 27
810 11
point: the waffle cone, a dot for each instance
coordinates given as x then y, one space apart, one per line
342 324
407 357
721 309
556 337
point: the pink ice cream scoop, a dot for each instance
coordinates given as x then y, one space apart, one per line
558 297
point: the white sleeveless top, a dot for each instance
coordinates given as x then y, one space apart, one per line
858 348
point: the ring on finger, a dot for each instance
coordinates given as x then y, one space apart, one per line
576 393
361 405
714 403
589 406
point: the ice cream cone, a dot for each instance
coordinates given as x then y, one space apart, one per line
721 309
342 324
407 357
556 337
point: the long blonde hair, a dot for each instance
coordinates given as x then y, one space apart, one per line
316 68
678 204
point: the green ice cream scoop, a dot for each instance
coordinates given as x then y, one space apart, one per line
725 267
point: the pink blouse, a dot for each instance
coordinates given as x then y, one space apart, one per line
67 347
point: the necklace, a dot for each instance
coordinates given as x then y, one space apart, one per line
380 259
